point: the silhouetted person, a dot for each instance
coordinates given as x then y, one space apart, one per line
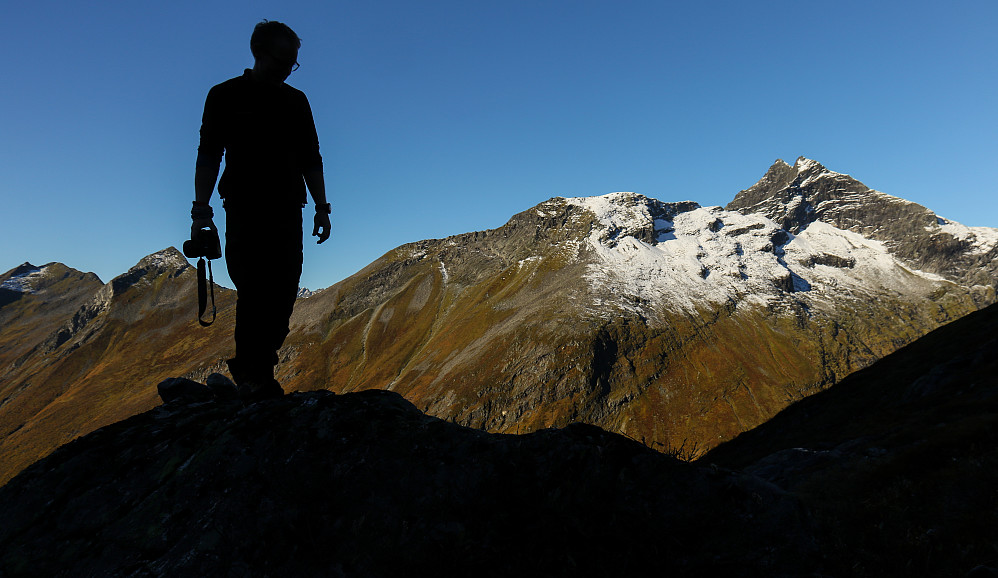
267 133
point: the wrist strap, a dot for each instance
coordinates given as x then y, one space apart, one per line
203 287
326 208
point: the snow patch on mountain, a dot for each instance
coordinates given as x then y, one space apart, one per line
981 239
623 215
167 259
804 165
711 256
828 257
24 280
616 211
692 262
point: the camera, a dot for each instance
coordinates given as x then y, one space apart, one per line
204 243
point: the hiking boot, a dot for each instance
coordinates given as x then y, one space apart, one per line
257 390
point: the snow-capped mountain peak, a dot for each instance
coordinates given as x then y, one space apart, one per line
704 256
23 278
794 197
169 261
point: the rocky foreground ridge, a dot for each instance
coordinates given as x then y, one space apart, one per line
363 484
889 473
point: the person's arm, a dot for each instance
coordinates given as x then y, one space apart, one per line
312 171
205 176
201 212
209 160
317 188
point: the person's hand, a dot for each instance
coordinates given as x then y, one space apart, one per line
322 227
203 223
201 215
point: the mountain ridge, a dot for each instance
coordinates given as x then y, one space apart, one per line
671 323
62 369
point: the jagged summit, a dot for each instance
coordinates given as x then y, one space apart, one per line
802 164
796 196
21 278
28 279
169 258
169 262
653 258
793 196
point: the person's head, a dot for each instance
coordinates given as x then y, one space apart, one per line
275 48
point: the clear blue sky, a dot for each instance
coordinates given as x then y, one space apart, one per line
440 117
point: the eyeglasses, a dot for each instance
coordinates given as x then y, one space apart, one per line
284 62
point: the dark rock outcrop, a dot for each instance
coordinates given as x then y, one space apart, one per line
363 484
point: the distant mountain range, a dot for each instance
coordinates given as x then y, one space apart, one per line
677 325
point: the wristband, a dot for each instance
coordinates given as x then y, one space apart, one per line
201 211
326 208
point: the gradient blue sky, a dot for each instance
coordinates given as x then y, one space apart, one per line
441 117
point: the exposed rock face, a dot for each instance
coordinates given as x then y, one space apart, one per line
796 196
363 484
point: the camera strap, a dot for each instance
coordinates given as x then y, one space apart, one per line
203 285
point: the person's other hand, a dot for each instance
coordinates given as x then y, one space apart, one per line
322 227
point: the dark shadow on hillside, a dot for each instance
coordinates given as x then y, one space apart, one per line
899 456
7 296
363 484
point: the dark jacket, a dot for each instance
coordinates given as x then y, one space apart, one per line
269 139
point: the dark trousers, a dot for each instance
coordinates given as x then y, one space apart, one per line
263 253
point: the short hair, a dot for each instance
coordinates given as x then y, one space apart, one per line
267 31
